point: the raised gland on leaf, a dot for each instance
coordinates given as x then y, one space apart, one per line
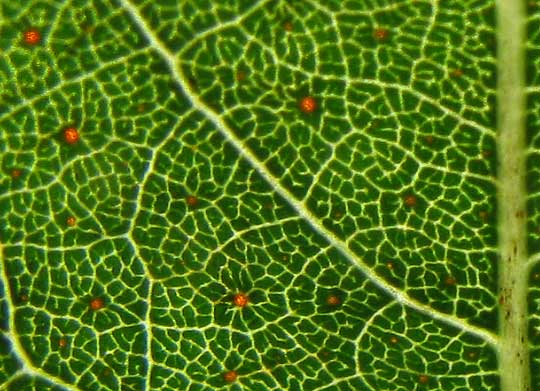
71 135
308 104
16 173
71 221
240 300
192 201
97 303
333 300
230 376
32 37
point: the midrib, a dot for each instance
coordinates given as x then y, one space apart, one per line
513 349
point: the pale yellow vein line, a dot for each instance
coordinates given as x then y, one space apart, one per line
76 80
18 349
173 64
220 27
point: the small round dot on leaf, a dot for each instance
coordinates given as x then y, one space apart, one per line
240 300
97 303
483 215
456 73
423 379
429 139
71 221
450 281
308 104
394 340
16 173
71 135
390 265
288 26
333 300
32 36
410 200
192 201
230 376
381 34
241 76
62 342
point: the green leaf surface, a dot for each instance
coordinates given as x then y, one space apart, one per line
385 238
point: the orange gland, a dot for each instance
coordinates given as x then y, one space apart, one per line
192 201
308 105
230 376
62 342
71 221
97 303
456 73
288 26
380 34
16 173
450 281
240 300
333 300
394 340
32 37
410 201
71 135
240 75
423 379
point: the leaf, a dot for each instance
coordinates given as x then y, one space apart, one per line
269 195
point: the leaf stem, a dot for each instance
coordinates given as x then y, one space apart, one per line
513 350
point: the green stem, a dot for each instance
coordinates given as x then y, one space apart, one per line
511 140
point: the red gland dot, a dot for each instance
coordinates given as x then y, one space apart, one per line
450 281
308 104
71 221
456 73
71 135
240 300
192 201
16 173
394 340
62 342
380 34
423 379
288 26
410 201
230 376
32 37
240 75
333 300
97 304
